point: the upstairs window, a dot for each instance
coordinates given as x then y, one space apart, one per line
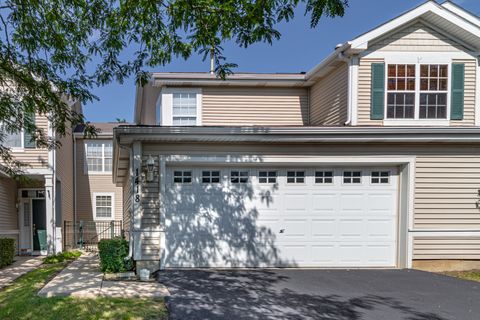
98 156
184 109
417 91
179 107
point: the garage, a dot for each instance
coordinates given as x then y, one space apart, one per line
281 217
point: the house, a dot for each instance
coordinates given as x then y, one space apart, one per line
58 192
370 159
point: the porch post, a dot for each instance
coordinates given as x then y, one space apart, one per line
50 214
136 180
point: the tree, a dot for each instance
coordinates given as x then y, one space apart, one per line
55 51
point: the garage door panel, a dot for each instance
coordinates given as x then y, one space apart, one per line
307 224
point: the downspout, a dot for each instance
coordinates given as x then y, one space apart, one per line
342 57
74 187
130 234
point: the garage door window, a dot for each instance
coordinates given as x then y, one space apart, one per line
239 177
324 177
210 176
380 177
182 177
295 176
352 177
267 176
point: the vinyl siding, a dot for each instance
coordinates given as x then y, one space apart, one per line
329 99
87 184
254 106
364 93
8 211
452 248
416 37
64 166
127 206
150 202
35 158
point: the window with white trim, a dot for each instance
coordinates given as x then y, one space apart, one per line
352 177
179 107
98 155
237 177
417 91
324 177
211 176
103 206
295 176
267 177
380 177
184 109
182 176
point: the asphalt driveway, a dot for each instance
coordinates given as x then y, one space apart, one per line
319 295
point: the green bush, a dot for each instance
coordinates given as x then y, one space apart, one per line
112 254
7 251
62 256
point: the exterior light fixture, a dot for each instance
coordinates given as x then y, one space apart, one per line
150 168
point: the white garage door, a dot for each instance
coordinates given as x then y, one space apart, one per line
270 217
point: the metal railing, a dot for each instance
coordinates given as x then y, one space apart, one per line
86 234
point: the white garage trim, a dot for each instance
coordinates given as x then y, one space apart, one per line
406 189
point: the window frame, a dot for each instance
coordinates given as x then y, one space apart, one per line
94 205
323 177
351 183
296 177
268 177
183 176
417 61
380 183
85 167
210 176
22 141
164 105
239 177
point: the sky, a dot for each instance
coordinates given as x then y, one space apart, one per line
299 49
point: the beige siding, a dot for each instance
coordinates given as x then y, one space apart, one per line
416 37
8 211
35 158
450 248
364 93
64 166
87 184
254 106
149 104
470 92
446 191
329 99
127 206
150 200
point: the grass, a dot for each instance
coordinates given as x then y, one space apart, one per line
467 275
62 257
20 301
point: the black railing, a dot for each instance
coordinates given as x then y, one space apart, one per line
86 234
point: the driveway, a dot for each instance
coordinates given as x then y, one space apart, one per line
319 295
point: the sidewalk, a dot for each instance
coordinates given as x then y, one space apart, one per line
21 266
82 278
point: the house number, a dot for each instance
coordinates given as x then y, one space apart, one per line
137 186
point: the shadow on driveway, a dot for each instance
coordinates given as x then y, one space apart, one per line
319 294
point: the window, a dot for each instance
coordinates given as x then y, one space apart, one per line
184 109
295 176
103 204
323 176
267 176
352 177
401 91
182 176
98 156
380 177
433 91
210 176
239 176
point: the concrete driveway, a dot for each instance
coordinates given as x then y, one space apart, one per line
319 295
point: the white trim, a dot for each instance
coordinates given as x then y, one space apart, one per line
413 122
477 94
10 232
362 41
461 12
103 142
445 233
353 90
166 104
94 205
414 57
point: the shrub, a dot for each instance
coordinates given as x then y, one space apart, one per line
112 254
62 256
7 251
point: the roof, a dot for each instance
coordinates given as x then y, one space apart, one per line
105 128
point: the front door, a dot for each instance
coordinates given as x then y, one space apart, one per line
39 225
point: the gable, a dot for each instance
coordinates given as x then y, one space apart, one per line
417 37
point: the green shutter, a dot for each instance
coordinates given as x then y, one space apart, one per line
377 108
28 139
458 85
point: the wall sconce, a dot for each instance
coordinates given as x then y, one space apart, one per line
150 168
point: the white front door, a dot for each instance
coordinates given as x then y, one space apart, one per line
25 225
270 217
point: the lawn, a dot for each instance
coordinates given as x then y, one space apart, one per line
20 301
467 275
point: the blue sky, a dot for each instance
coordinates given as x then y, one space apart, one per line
299 49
